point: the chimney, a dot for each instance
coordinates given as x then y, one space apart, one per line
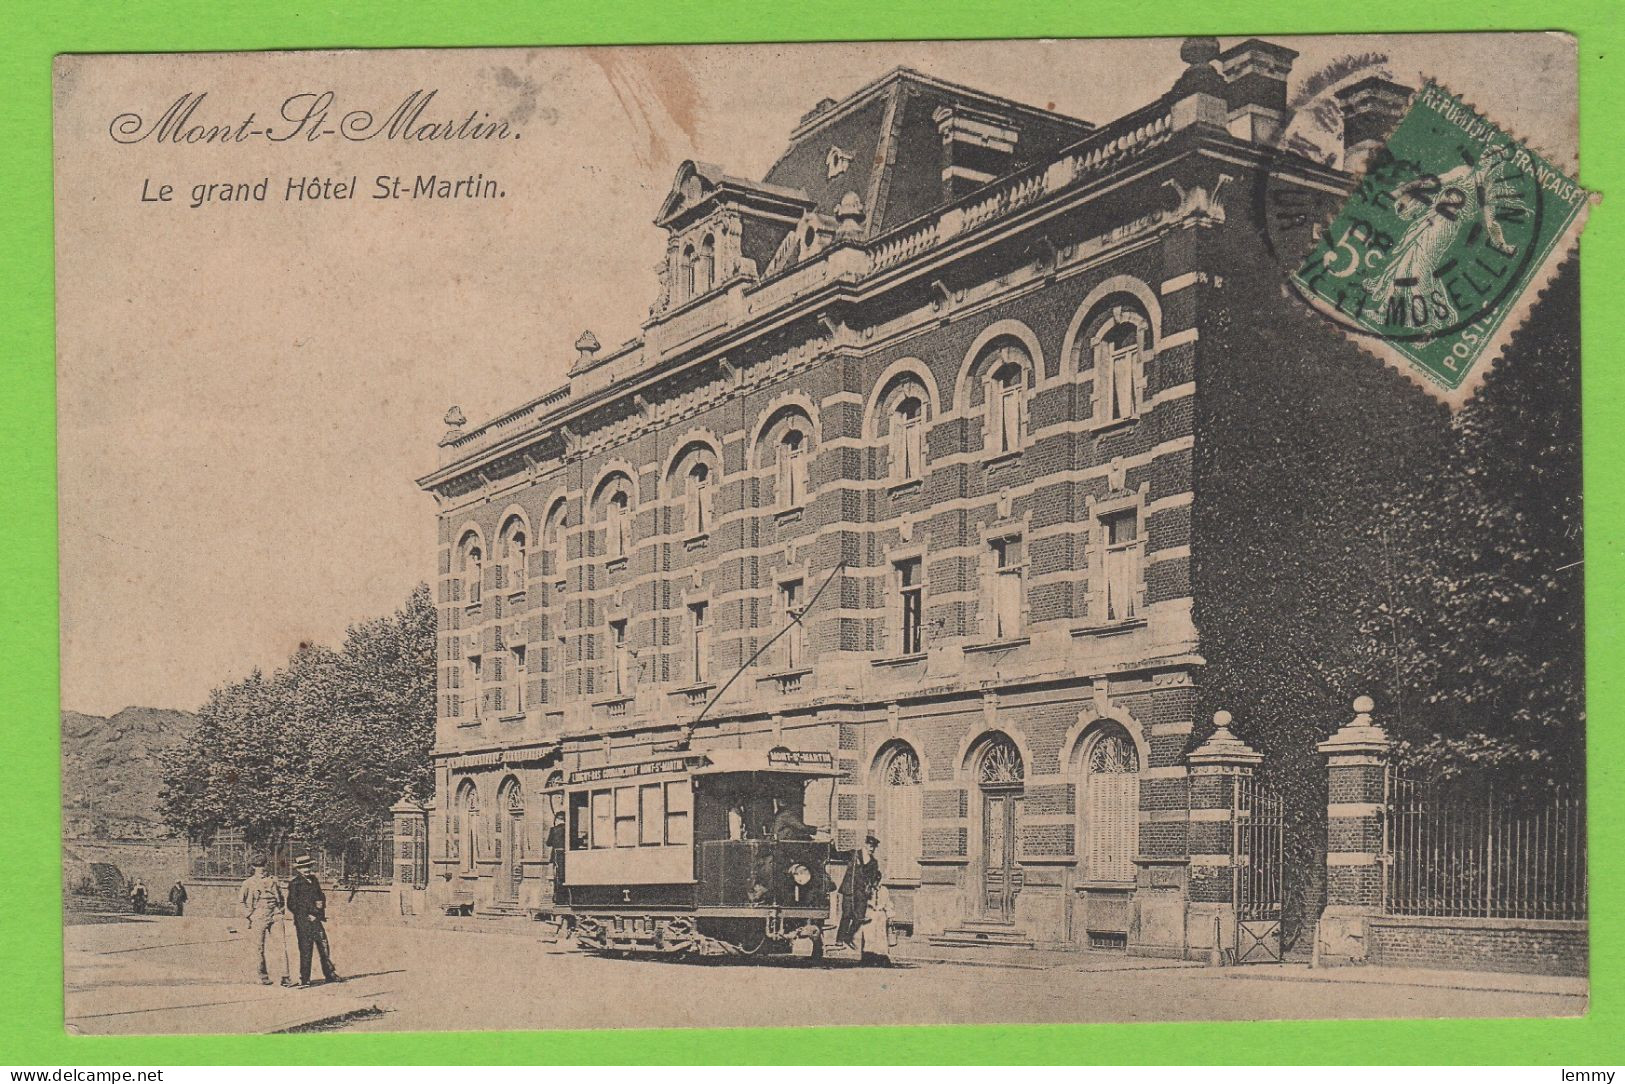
1371 110
977 146
1255 76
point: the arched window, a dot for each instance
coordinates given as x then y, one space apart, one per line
898 809
688 272
613 508
1007 366
1120 338
705 272
1001 764
792 469
553 541
473 572
465 824
784 448
697 509
513 552
619 516
1111 806
907 438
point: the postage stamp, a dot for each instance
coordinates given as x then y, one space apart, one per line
1444 244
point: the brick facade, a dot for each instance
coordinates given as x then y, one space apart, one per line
959 452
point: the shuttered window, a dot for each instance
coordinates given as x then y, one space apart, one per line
1006 587
898 816
908 439
1121 563
1119 351
1111 807
795 632
793 469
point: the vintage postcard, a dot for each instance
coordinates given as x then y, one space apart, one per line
891 533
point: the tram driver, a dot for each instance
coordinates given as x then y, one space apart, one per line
787 822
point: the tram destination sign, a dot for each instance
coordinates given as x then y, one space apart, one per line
630 771
800 758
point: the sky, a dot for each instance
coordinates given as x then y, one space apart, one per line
246 391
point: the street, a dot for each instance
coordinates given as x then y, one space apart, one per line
150 975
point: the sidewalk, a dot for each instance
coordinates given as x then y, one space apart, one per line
1035 959
1489 981
145 975
1029 959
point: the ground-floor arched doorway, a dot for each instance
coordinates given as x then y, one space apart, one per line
1001 776
509 841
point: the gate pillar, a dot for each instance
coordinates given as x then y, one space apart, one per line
411 855
1356 805
1217 770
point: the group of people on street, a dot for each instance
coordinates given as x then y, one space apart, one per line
265 907
139 897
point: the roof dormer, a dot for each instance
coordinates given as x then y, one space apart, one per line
720 229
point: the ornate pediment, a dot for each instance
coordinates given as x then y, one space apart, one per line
698 183
694 184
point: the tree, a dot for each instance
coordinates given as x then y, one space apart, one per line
1353 537
1488 610
322 747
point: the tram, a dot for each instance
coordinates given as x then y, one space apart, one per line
697 853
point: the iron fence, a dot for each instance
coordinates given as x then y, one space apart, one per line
1259 838
1456 851
1257 848
367 858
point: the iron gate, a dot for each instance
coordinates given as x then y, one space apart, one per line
1257 849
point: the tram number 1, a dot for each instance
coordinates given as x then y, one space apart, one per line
626 895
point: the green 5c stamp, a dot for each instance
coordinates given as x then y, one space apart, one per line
1444 245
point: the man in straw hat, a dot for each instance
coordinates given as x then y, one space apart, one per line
307 903
262 902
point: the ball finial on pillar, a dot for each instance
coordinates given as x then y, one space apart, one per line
1196 51
1364 705
1221 719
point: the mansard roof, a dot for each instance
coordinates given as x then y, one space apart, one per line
890 138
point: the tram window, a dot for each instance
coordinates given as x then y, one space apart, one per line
651 816
626 816
679 799
603 819
579 823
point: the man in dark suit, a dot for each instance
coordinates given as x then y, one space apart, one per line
555 850
307 903
858 890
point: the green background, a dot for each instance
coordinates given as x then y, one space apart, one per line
30 870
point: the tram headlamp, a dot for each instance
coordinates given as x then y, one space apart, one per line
800 874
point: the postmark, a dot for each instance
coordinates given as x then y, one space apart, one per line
1444 244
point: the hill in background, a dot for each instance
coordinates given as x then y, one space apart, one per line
110 771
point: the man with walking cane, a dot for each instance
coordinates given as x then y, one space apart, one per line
262 901
307 903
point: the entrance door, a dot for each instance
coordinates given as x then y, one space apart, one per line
509 844
516 853
1002 776
1001 877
